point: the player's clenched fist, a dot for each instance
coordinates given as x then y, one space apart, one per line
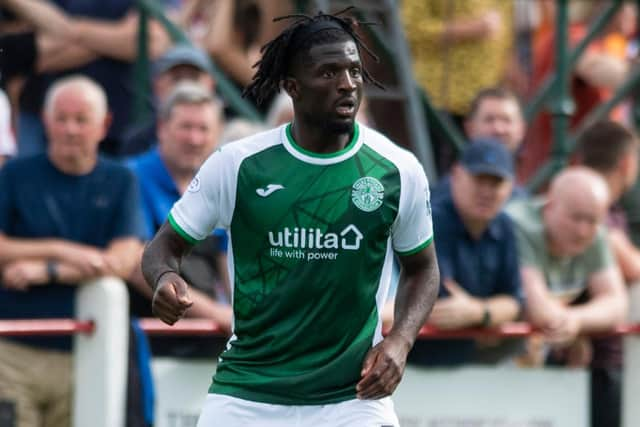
171 298
383 368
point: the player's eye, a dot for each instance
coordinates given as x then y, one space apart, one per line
356 72
328 74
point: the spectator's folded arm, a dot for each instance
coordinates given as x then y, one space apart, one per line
608 302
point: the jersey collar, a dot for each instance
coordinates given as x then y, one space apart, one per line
321 159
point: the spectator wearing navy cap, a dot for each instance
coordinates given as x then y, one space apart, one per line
480 281
180 63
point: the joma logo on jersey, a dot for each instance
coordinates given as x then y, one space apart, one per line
312 238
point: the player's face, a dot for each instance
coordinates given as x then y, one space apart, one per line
74 126
479 197
329 86
500 119
189 136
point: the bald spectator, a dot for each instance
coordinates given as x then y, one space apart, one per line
179 64
477 256
66 217
571 282
611 150
189 128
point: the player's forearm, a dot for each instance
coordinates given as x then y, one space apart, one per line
163 254
417 292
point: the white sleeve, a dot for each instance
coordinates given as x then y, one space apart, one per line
208 202
7 141
413 228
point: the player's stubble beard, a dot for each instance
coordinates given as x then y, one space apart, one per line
329 126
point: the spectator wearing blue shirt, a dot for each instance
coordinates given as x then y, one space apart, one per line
66 216
476 253
189 127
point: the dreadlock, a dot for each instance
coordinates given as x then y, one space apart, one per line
277 54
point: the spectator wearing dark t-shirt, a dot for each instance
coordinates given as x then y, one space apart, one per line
66 216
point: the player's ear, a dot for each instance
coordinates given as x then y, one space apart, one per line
290 85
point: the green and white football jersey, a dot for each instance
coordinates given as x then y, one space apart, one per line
311 244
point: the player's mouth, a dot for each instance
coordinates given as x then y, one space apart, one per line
346 107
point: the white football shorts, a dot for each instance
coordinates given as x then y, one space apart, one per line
228 411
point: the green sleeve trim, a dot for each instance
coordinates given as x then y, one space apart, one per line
180 231
416 249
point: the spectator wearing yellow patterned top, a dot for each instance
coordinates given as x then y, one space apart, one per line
458 48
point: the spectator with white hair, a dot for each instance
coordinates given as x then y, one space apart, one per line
66 216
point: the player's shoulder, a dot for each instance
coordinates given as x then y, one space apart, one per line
250 145
402 158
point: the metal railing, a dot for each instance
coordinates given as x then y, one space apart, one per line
232 95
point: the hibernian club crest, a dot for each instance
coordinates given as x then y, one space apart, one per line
367 194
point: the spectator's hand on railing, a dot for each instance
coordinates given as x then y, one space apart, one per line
457 311
90 262
563 329
20 275
171 298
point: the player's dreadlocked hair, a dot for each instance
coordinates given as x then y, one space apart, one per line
300 36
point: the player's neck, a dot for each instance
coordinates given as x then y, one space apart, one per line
319 140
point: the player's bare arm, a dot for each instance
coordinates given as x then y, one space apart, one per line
160 268
417 292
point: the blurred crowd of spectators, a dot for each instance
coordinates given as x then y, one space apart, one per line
88 185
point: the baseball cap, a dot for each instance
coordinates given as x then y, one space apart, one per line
183 54
488 156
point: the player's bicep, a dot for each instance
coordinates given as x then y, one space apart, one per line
413 229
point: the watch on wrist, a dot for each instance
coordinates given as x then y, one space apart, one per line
486 317
52 271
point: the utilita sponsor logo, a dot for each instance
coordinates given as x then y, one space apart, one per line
312 238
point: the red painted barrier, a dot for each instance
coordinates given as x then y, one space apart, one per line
193 327
45 327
